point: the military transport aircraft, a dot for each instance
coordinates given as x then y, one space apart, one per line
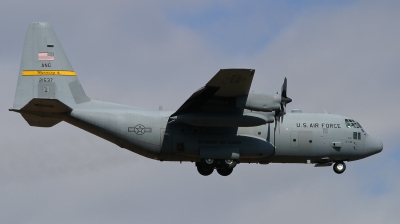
219 126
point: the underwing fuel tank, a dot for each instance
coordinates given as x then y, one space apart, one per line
223 120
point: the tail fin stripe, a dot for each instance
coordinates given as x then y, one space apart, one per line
47 72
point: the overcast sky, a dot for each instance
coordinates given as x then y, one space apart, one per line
341 56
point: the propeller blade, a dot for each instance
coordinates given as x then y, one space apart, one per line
277 122
284 99
279 126
282 112
284 88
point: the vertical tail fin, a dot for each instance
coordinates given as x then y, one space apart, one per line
45 71
47 83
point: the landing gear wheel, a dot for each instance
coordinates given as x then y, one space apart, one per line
209 161
228 164
207 164
228 161
339 167
204 172
225 172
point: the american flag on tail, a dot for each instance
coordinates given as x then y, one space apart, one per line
46 56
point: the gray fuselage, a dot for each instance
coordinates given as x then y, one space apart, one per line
300 138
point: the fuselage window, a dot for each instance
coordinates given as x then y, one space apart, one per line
354 135
359 136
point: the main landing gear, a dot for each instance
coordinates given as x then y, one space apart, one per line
223 167
339 167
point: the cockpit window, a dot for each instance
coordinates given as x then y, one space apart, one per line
352 123
347 123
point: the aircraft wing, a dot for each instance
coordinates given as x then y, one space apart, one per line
220 92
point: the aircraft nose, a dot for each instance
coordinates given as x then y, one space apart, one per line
373 145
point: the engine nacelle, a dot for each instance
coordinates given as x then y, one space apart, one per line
265 102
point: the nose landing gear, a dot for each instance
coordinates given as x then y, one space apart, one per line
339 167
224 167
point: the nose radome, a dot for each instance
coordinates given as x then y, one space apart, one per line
373 145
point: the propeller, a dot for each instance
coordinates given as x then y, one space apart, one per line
284 100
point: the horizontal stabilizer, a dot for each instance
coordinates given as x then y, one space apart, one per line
43 112
46 106
38 121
